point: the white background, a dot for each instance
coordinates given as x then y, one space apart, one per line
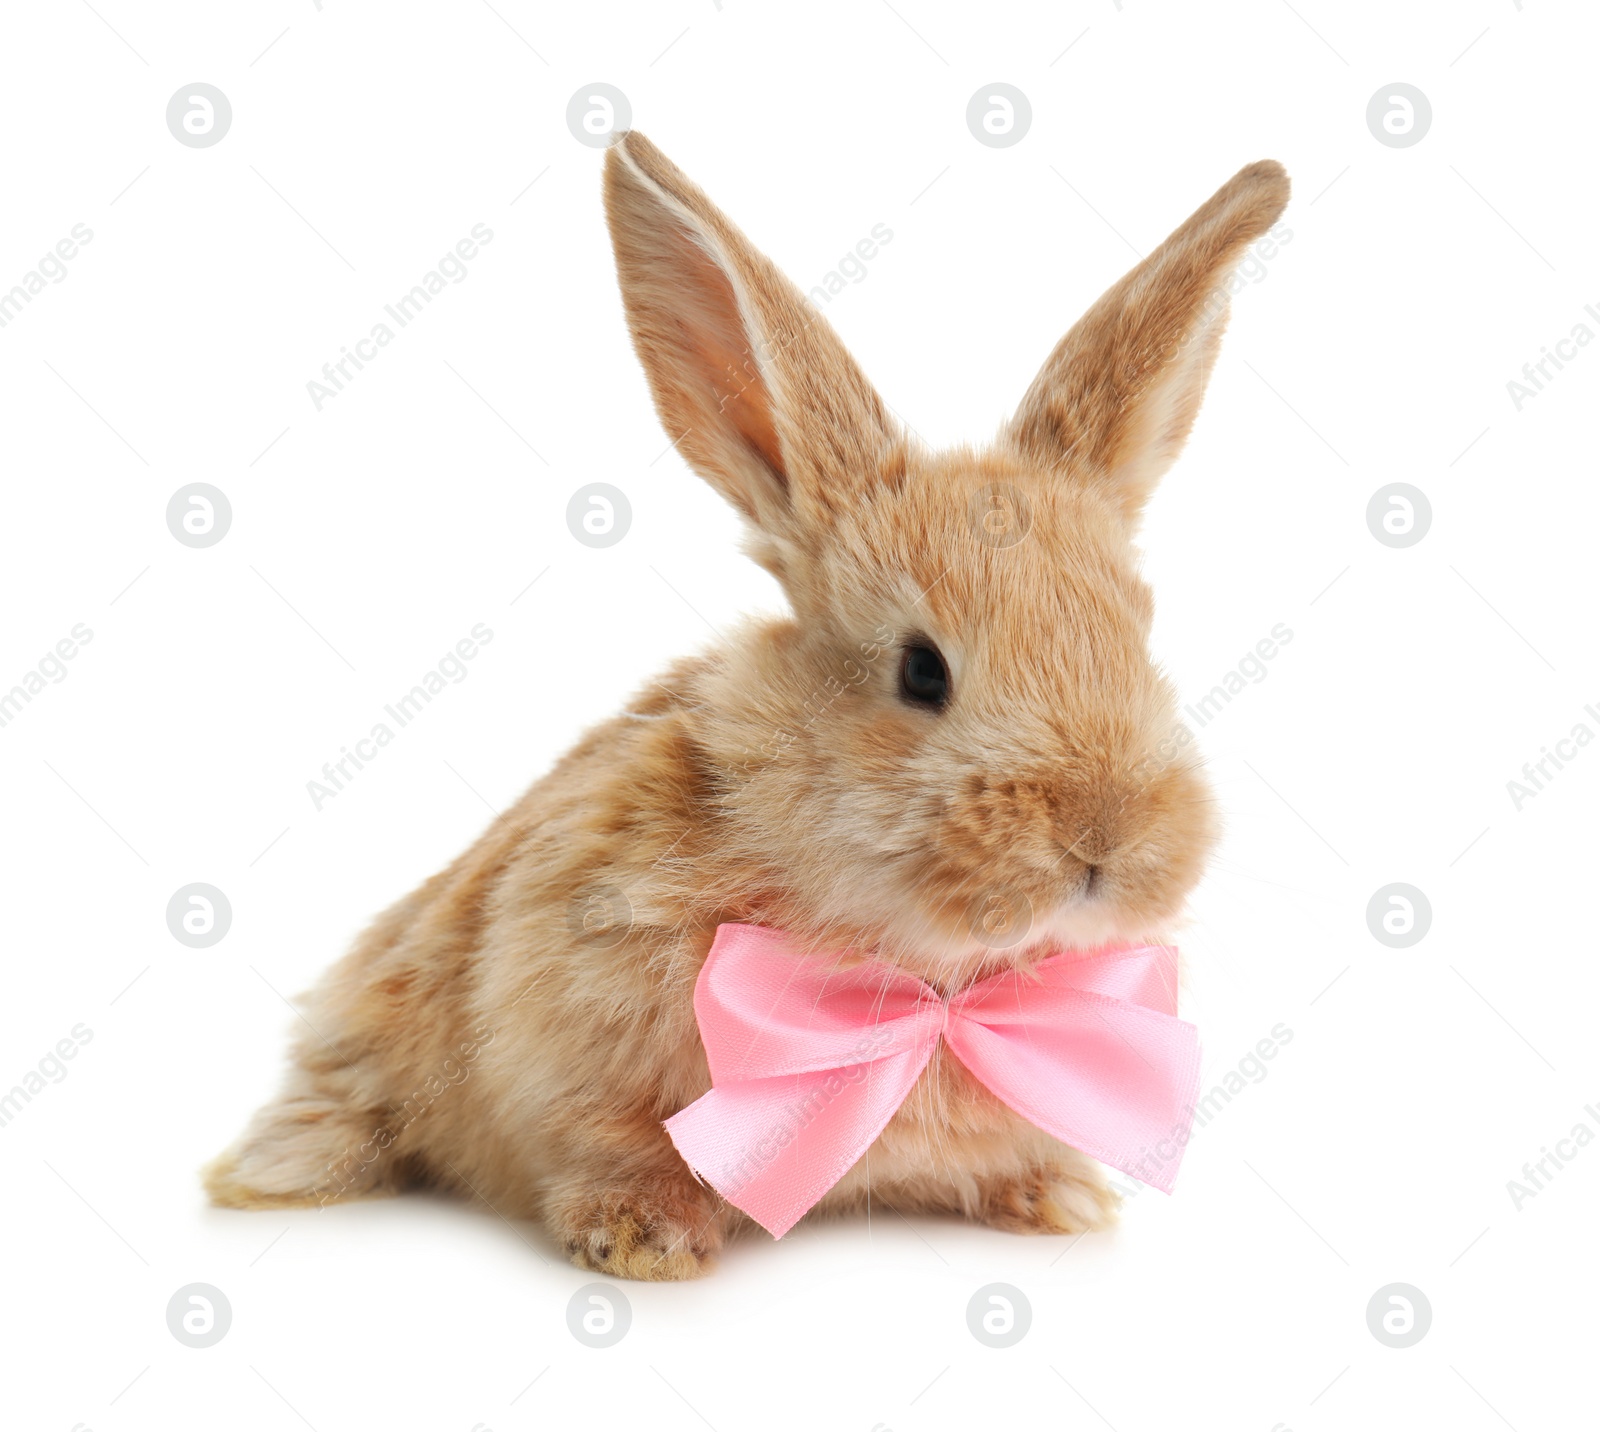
369 537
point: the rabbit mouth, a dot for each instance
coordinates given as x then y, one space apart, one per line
950 960
951 937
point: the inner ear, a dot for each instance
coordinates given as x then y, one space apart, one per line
753 387
718 342
719 339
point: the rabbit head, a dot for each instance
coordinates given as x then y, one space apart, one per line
958 751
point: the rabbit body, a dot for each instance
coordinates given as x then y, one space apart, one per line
518 1028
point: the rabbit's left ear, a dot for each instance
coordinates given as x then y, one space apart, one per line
1116 399
751 383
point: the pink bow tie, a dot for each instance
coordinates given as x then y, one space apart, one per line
809 1062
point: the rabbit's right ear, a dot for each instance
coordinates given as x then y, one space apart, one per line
752 385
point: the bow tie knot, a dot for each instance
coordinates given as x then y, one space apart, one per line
809 1062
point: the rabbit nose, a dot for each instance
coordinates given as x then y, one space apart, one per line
1090 845
1091 880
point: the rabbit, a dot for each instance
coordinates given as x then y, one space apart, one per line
960 716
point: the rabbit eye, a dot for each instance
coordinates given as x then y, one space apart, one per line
923 677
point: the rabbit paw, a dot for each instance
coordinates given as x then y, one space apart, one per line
1050 1199
649 1234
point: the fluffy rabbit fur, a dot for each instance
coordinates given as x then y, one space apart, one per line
518 1027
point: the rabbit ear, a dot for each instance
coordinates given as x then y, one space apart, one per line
1117 397
753 386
